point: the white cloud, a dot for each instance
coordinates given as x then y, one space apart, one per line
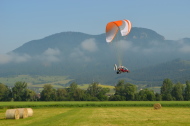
148 50
5 58
185 49
21 58
14 58
50 52
89 45
50 55
79 55
76 52
124 45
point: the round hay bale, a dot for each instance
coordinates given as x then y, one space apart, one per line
12 114
157 106
30 112
23 112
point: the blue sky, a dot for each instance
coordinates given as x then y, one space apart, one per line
24 20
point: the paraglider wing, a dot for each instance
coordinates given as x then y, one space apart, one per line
111 31
125 28
112 28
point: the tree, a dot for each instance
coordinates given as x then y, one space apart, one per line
5 93
177 92
102 94
72 91
125 89
61 94
30 95
93 89
96 92
75 93
116 98
79 95
130 90
119 88
48 93
146 95
187 91
166 89
158 97
19 91
73 86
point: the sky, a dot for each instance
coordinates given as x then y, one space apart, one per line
22 20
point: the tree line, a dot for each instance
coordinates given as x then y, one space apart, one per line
124 91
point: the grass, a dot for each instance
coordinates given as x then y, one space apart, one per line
102 116
93 104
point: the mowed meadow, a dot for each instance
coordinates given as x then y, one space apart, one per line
136 113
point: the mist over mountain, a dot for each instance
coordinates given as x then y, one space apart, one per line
86 58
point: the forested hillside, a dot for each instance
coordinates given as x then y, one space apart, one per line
178 70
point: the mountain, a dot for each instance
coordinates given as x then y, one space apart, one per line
68 40
86 58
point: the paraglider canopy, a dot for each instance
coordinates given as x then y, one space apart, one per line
112 28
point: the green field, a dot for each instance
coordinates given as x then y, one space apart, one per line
41 104
108 116
99 114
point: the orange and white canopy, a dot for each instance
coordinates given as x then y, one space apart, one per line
112 28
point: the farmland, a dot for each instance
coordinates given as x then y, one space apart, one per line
39 81
36 81
100 113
